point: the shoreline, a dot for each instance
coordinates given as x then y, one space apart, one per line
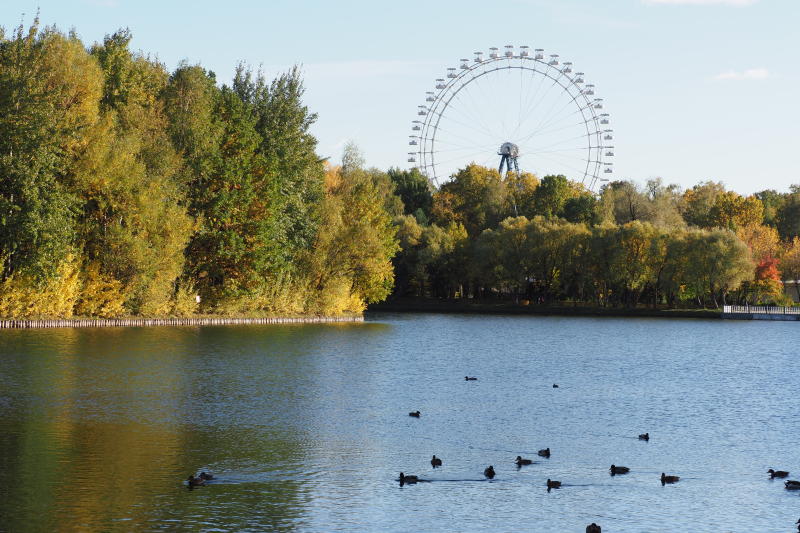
507 308
148 322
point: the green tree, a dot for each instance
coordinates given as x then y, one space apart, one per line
787 217
551 195
414 190
48 97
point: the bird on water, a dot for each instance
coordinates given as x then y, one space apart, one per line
415 414
520 461
668 479
468 378
193 481
619 470
407 479
489 472
435 461
644 436
551 484
544 453
777 473
593 528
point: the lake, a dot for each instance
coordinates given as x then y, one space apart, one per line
306 427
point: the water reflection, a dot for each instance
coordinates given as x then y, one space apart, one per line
307 427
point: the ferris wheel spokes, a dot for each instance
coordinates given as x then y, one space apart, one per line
547 112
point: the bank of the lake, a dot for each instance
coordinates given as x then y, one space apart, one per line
184 321
500 307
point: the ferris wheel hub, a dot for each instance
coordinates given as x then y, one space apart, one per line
509 149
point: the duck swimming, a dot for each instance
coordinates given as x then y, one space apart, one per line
489 472
792 485
407 479
415 414
593 528
553 484
779 473
205 477
195 481
644 436
520 461
468 378
619 470
668 479
544 453
435 461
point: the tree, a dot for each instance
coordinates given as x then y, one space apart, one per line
49 89
623 202
350 262
787 216
582 209
772 201
519 193
551 195
414 190
790 263
717 263
473 198
732 211
698 201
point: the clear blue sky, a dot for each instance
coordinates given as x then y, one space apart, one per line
697 89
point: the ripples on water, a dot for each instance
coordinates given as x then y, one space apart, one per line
307 427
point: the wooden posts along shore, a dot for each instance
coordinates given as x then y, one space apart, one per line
140 322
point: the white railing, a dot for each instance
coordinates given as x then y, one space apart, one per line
760 310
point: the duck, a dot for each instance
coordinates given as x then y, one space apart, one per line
644 436
544 453
407 479
619 470
792 485
555 385
415 414
668 479
520 461
435 461
193 481
779 473
489 472
593 528
553 484
469 378
205 477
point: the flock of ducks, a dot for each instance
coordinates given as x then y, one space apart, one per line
614 470
200 480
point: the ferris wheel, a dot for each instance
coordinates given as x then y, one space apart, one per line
530 111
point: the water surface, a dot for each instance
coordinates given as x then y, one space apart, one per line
306 426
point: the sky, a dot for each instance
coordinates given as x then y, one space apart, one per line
696 89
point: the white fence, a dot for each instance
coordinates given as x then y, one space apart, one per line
759 310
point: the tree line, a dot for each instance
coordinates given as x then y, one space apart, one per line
126 189
129 190
548 241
